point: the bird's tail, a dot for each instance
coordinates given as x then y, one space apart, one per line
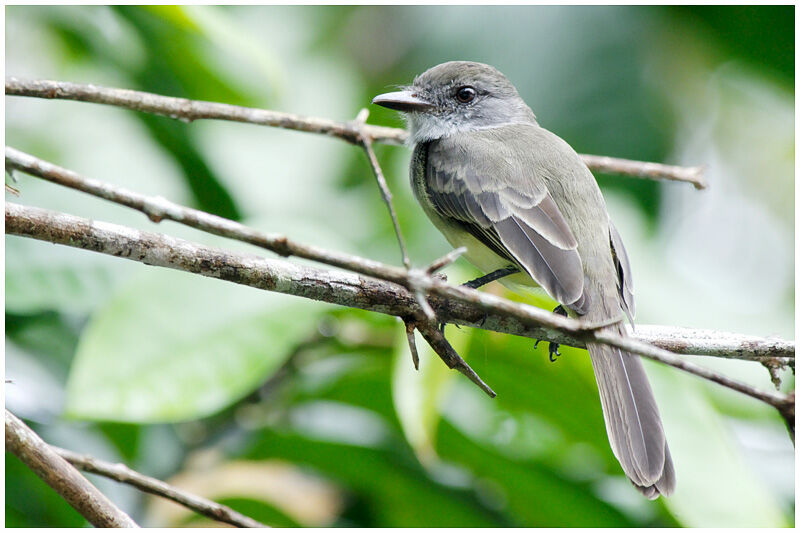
634 425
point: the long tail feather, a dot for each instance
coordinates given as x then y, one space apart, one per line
634 425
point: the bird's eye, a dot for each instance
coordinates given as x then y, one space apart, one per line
466 94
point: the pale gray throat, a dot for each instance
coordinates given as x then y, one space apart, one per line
424 127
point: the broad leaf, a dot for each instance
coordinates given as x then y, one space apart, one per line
173 346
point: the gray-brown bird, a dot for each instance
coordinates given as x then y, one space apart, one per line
521 200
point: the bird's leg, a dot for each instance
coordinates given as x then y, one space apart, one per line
491 276
552 347
483 280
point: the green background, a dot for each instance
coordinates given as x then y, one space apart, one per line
302 413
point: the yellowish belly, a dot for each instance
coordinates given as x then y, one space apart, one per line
484 259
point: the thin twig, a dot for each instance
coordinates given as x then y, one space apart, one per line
366 143
445 260
190 110
336 287
387 198
123 474
352 132
627 167
84 497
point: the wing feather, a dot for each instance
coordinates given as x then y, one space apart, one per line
557 270
624 277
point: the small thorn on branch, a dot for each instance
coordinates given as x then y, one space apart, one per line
412 342
445 260
774 366
450 357
427 310
362 116
416 279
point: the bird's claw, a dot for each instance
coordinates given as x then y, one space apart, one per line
553 349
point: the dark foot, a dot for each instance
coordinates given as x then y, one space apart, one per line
553 347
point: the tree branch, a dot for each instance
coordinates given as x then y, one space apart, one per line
121 473
713 343
84 497
158 208
352 132
343 288
516 319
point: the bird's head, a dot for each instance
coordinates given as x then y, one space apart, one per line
456 97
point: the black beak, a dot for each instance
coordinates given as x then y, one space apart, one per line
402 101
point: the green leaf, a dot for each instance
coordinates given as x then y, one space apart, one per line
42 277
31 503
562 395
172 347
709 460
388 488
417 394
535 495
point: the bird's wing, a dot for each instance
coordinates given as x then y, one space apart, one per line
493 190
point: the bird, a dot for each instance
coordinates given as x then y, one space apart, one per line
530 213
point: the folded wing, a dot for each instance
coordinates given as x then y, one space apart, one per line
496 197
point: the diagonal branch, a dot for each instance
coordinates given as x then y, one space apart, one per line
342 288
84 497
366 143
121 473
439 344
352 132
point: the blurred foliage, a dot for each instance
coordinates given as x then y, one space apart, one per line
303 414
762 35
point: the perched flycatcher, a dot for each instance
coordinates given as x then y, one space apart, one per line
520 199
